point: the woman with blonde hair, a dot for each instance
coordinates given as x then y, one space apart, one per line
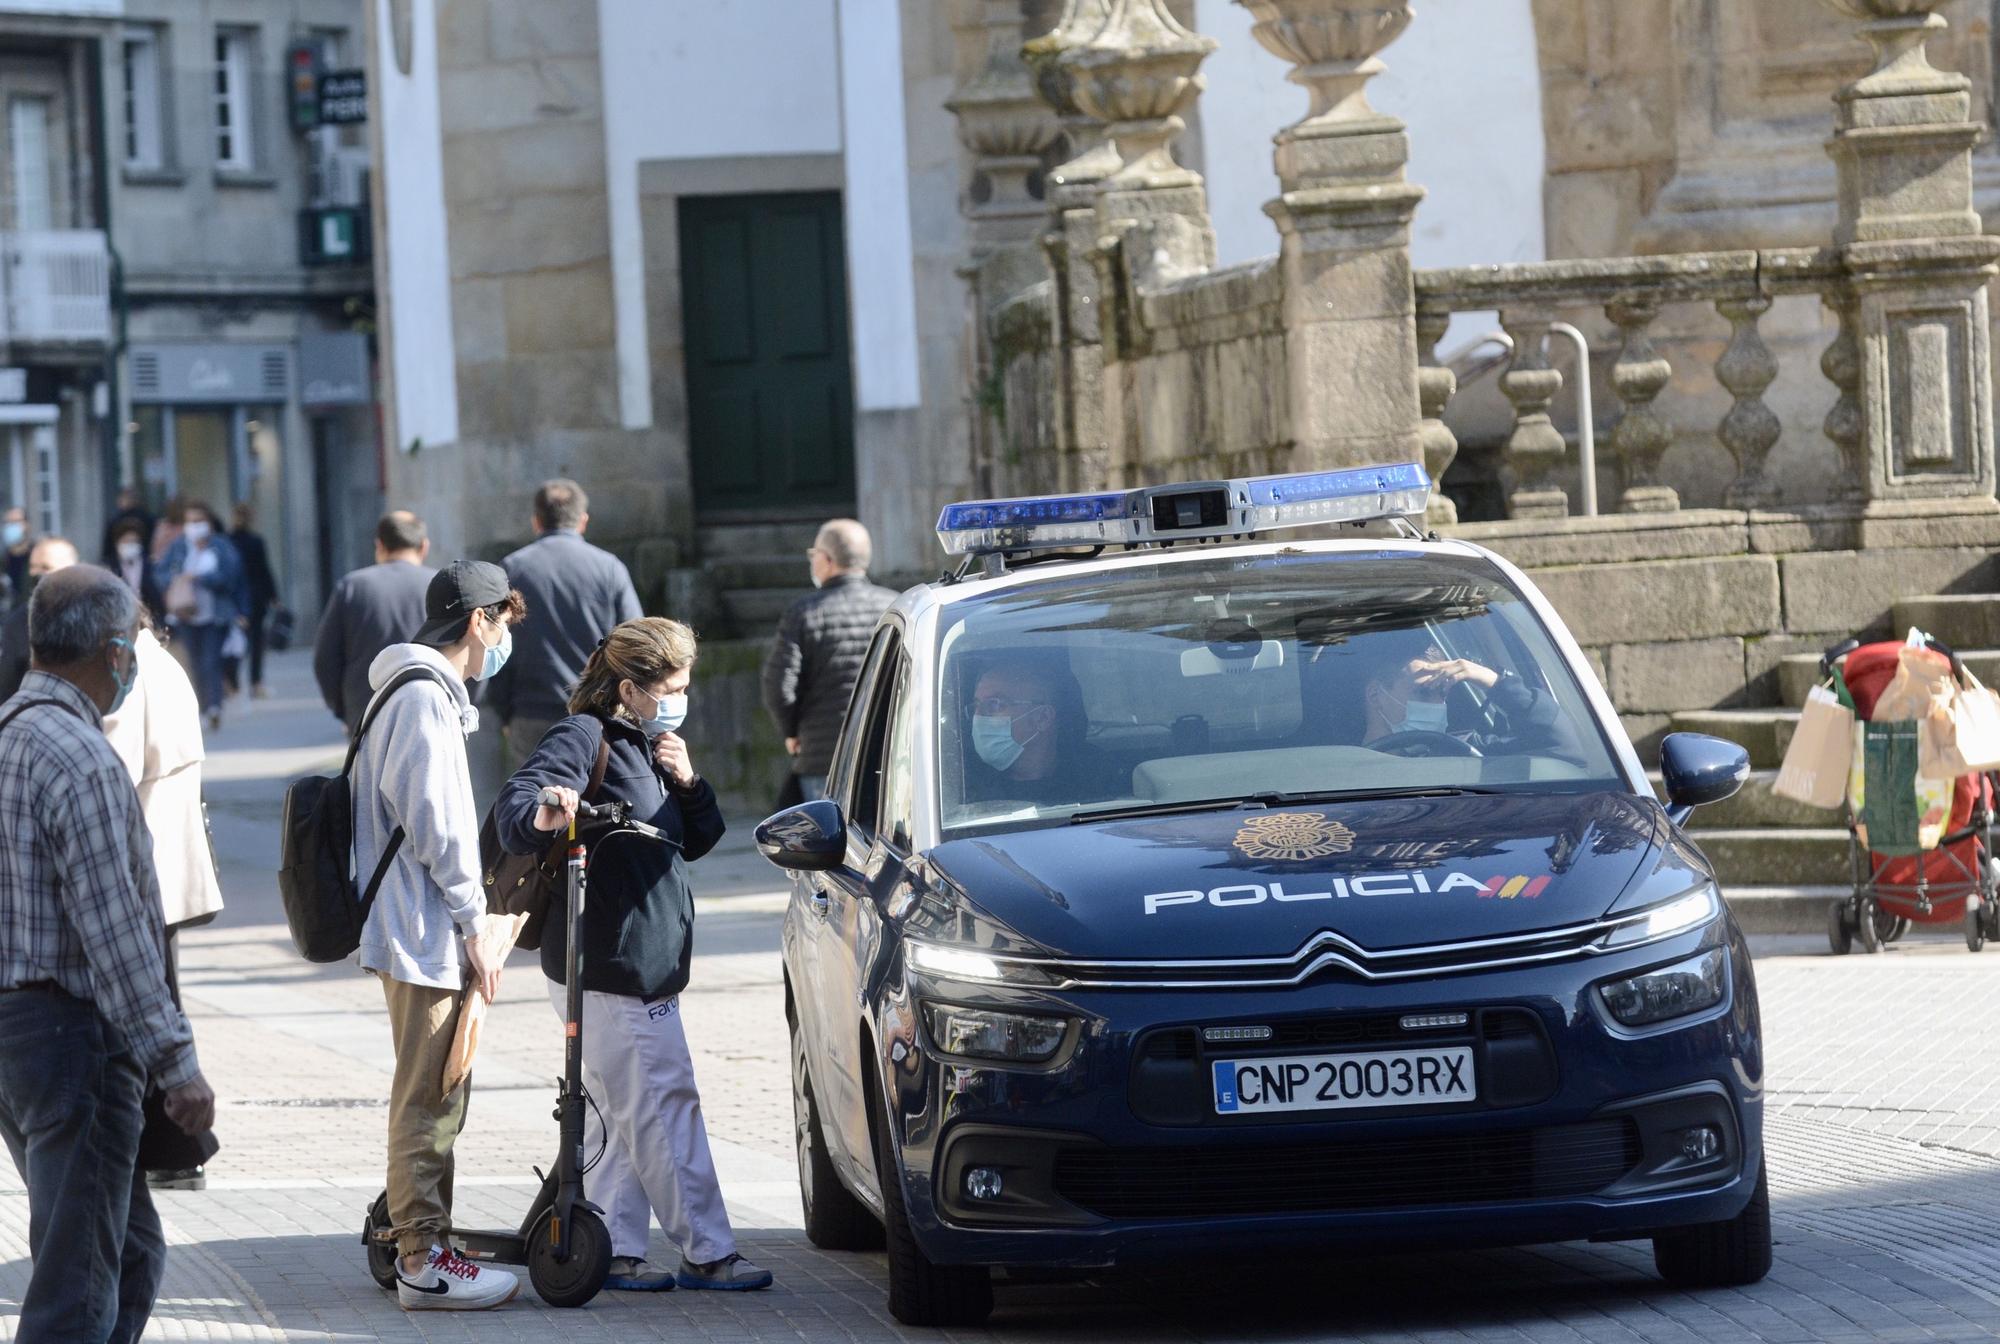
637 937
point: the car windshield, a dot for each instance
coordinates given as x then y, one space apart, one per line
1277 677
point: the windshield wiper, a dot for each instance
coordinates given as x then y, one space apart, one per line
1271 799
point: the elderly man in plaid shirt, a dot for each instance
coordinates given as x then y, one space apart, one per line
85 1013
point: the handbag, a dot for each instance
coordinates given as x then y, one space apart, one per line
278 634
1815 768
164 1145
1962 738
526 884
181 598
235 644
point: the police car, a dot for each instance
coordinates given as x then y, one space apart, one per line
1184 894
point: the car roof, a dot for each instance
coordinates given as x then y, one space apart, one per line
929 596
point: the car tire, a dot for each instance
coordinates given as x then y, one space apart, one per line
835 1219
922 1293
1728 1254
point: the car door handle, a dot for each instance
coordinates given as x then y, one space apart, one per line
818 899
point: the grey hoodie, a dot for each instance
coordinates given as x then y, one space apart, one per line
411 772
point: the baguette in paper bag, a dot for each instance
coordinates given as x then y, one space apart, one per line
1816 764
501 931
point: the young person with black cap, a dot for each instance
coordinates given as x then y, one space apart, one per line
412 789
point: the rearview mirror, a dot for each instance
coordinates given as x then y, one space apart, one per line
811 838
1700 769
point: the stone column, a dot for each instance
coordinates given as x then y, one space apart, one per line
1435 386
1917 262
1070 241
1344 223
1005 126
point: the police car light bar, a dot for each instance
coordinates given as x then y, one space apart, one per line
1192 512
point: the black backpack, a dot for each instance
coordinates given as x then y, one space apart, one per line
315 875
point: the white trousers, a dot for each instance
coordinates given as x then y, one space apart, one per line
656 1160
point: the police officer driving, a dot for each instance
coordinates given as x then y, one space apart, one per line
1408 699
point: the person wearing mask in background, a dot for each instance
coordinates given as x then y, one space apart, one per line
412 791
157 734
578 593
637 937
86 1015
370 610
261 586
45 557
206 595
817 655
131 513
130 563
19 542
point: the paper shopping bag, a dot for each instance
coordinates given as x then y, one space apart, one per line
501 933
1962 738
1815 766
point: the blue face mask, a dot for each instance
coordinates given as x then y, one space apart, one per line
993 740
124 684
497 656
1424 716
13 533
669 713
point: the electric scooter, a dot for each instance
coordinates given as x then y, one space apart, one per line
563 1240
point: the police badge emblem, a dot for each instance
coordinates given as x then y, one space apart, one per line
1293 837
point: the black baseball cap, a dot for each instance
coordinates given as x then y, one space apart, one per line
460 588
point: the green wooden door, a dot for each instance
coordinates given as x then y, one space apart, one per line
770 394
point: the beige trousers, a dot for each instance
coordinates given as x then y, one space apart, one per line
422 1127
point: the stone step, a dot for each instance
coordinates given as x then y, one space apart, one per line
1764 856
1756 806
724 541
1764 733
1782 909
754 612
1962 620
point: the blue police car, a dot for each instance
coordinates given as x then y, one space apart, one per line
1184 893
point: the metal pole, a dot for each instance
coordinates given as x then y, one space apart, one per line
1586 424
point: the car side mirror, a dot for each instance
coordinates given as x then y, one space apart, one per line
1700 769
811 838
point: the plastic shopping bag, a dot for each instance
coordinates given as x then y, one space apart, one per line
501 931
1963 737
1815 770
235 644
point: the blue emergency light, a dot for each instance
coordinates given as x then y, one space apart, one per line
1190 512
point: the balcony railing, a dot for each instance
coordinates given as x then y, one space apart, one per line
58 286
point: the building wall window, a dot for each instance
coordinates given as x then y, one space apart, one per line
233 68
28 152
145 139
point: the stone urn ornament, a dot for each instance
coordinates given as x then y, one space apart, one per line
1138 73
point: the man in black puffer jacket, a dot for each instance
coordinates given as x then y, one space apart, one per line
821 644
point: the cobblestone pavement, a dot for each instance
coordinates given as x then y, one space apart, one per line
1884 1128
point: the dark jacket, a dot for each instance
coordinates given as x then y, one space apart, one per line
1530 721
225 583
821 644
257 574
13 650
576 593
638 921
370 610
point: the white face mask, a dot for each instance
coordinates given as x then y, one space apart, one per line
197 533
129 551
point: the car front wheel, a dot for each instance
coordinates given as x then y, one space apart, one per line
922 1293
1728 1254
835 1219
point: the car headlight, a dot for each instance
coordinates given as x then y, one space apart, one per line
964 963
984 1034
1669 991
1682 913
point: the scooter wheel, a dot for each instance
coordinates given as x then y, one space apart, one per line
573 1281
381 1254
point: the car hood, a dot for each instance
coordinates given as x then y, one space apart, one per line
1253 883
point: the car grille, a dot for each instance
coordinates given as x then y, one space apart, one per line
1190 1182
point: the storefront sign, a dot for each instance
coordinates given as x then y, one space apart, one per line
213 373
343 97
333 370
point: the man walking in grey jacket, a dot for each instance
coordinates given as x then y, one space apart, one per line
821 643
371 609
577 594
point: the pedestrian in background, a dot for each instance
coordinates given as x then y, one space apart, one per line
822 640
205 595
638 937
578 593
130 562
131 513
19 541
157 734
45 557
167 530
86 1014
370 610
261 587
413 810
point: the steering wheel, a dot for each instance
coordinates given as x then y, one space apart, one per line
1423 742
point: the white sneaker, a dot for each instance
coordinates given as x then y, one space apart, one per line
450 1282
